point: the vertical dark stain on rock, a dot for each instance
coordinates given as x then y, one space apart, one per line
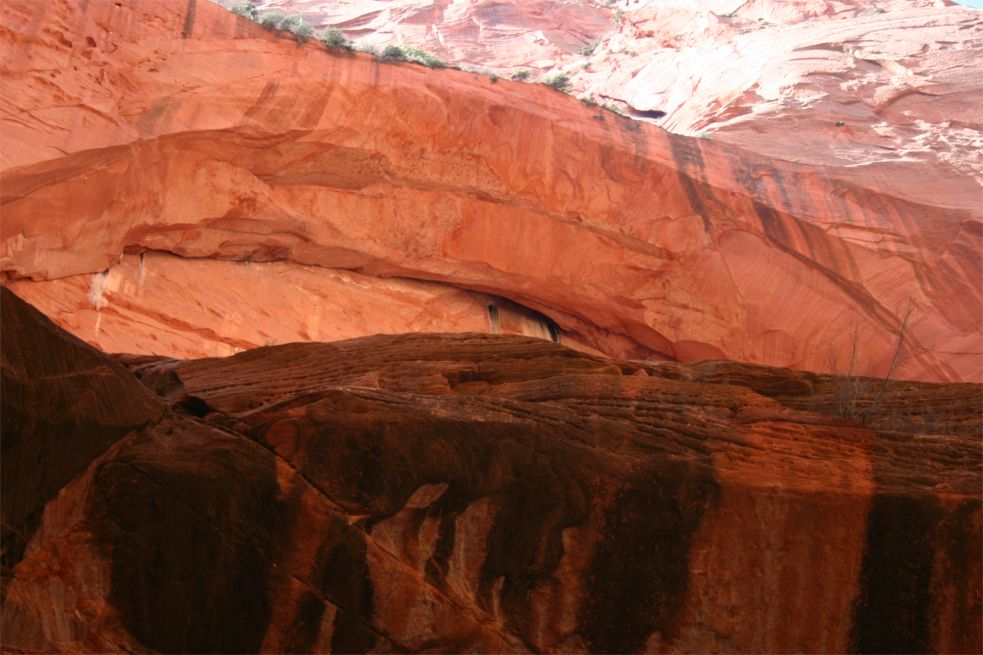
796 232
685 157
374 467
302 633
356 461
368 464
772 221
539 499
959 575
776 229
773 226
189 19
351 634
447 508
639 575
267 93
189 537
891 614
317 101
493 322
345 580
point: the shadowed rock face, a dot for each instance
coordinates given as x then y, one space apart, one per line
63 404
179 131
496 494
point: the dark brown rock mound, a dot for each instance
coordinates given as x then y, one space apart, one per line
63 404
500 494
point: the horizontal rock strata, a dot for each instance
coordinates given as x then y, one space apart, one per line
177 127
495 493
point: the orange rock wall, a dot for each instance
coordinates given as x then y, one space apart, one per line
888 86
180 128
161 304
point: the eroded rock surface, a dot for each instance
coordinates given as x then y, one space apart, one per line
499 494
821 81
63 404
177 127
161 304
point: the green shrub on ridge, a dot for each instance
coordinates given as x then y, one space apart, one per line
560 82
411 54
333 38
246 9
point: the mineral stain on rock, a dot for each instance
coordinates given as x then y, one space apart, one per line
640 573
892 612
342 574
191 540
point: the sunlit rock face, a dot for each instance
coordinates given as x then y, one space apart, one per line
478 493
238 165
845 82
161 304
411 354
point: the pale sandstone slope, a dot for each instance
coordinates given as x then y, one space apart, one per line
904 77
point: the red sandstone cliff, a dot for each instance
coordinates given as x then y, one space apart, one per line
845 82
478 493
160 127
174 181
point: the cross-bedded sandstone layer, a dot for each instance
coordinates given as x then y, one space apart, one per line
481 493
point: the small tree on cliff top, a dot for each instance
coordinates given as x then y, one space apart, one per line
298 26
333 38
560 82
246 9
271 20
852 397
411 54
